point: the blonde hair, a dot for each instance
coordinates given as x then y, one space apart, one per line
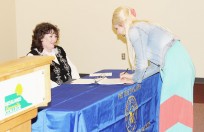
124 16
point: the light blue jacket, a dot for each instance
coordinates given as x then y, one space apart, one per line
150 43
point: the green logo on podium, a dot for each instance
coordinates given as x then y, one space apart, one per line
15 102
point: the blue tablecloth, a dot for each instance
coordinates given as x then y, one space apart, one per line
104 108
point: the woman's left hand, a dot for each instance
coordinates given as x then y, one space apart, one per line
126 78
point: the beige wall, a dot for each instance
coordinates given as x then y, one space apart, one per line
7 30
86 32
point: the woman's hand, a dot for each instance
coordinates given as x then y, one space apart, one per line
126 78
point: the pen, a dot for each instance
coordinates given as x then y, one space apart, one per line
126 71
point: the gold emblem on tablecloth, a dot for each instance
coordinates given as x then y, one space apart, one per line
131 113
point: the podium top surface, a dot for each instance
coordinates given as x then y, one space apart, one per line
24 63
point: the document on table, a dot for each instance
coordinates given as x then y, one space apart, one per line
110 81
105 74
107 81
83 81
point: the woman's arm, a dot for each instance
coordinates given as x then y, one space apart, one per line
140 51
151 70
75 73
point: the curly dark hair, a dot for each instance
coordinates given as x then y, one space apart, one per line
40 31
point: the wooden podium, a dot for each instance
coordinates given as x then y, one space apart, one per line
24 86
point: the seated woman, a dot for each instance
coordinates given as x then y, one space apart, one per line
44 40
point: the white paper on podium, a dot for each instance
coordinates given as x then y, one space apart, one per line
108 81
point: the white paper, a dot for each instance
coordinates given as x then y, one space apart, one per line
106 74
110 81
83 81
107 81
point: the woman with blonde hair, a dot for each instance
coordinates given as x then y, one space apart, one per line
154 49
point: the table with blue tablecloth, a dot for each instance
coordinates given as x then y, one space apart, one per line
104 108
